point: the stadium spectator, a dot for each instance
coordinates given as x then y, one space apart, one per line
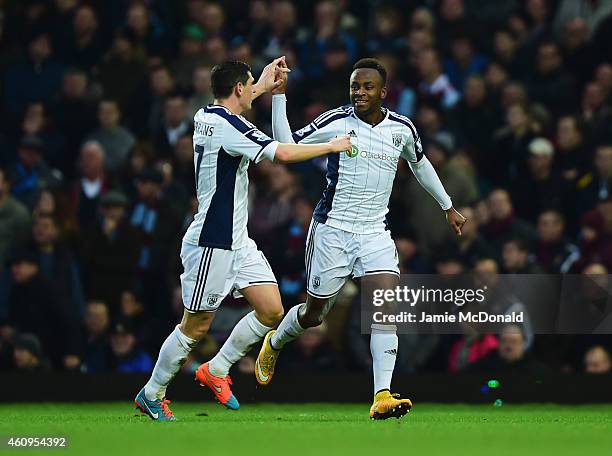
511 146
542 187
36 78
86 45
191 56
553 252
93 184
128 356
30 174
75 116
97 354
110 251
14 220
436 85
158 225
597 361
503 224
175 124
202 95
473 114
551 84
465 61
595 185
516 259
511 356
35 307
116 140
122 71
572 157
58 264
28 354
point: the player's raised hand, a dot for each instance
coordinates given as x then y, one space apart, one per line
266 81
341 143
281 77
455 220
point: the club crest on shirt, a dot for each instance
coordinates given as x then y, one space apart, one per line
316 282
397 139
353 152
212 299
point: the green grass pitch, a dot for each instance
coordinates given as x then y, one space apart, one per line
111 429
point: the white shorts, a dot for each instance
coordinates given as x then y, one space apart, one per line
211 274
334 255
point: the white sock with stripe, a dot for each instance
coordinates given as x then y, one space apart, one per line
289 329
172 355
383 346
245 334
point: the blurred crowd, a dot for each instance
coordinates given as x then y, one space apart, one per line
512 99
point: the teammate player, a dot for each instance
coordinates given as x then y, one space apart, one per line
217 254
348 234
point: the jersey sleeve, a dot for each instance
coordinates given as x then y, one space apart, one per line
412 151
321 130
243 138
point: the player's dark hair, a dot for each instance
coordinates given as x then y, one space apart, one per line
373 64
225 76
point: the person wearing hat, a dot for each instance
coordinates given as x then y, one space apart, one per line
129 357
110 251
31 173
542 188
28 353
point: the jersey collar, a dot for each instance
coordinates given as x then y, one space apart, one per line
384 119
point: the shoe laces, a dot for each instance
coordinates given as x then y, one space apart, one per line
165 409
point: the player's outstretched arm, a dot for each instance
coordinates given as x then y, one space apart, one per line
425 173
269 78
292 153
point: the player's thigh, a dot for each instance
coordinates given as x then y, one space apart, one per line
255 281
207 278
377 256
328 260
377 265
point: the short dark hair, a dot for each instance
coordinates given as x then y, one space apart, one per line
225 76
373 64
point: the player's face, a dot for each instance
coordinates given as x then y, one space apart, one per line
246 99
367 90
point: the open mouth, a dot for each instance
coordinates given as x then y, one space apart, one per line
360 102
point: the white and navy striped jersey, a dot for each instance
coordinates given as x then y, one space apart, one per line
224 145
359 183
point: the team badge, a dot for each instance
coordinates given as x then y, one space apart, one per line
212 299
316 282
353 152
397 139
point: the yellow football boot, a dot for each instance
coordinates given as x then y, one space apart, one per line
266 361
387 405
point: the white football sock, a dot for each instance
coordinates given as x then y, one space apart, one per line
383 346
172 355
245 334
289 329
